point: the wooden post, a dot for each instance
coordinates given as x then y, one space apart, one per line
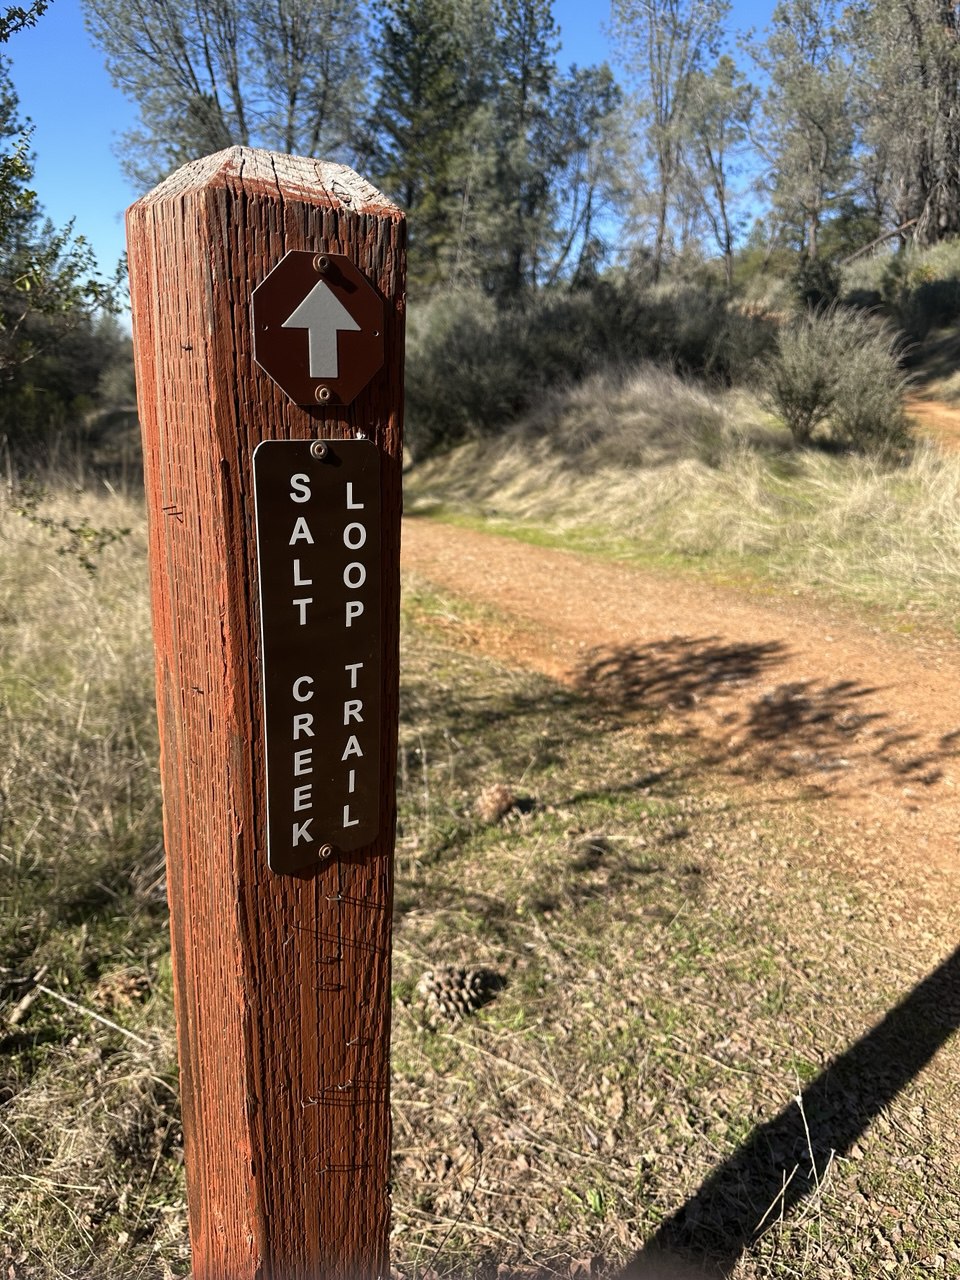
281 980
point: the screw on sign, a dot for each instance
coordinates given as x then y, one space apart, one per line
318 328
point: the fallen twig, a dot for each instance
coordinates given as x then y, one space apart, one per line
91 1013
16 1014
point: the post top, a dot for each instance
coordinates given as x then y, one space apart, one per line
251 168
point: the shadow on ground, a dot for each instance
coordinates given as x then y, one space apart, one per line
784 1160
817 732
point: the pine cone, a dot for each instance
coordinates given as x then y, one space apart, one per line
494 803
450 995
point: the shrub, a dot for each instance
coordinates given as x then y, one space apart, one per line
841 367
816 283
921 287
473 367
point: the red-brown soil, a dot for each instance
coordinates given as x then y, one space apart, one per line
935 420
777 691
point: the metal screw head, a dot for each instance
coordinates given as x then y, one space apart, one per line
321 264
319 449
323 395
324 852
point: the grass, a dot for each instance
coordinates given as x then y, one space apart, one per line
680 959
724 497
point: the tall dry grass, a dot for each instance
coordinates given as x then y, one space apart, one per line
90 1181
654 468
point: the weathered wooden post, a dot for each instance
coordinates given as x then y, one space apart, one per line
279 826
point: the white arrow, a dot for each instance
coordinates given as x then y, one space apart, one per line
324 316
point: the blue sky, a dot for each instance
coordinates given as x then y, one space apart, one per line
78 115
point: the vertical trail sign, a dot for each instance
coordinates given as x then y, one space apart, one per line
268 300
318 531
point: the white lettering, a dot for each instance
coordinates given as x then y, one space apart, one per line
302 697
302 760
301 532
301 832
354 610
354 575
302 603
300 488
351 749
352 781
302 725
354 536
351 711
347 820
303 798
297 580
353 668
351 505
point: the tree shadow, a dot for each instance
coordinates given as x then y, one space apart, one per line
820 732
673 674
784 1160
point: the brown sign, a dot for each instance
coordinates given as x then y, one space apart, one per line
318 543
318 328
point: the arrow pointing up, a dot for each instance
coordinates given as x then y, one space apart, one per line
324 316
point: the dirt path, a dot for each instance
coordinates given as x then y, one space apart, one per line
938 421
775 691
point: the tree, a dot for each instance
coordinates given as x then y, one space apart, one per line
527 44
47 274
208 74
503 165
808 134
51 297
432 61
907 58
717 132
665 43
586 160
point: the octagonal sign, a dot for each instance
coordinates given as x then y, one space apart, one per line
318 328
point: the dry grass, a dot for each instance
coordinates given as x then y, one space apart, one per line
680 962
856 528
89 1129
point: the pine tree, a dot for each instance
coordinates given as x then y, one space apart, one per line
431 61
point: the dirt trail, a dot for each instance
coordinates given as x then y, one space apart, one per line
775 691
936 420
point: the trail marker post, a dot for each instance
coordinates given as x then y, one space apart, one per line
277 690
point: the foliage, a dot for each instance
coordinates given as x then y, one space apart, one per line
664 46
722 106
17 18
906 54
55 333
473 366
816 282
504 165
808 134
285 76
75 537
842 367
921 287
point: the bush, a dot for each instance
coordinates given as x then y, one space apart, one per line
473 367
921 287
816 283
841 367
